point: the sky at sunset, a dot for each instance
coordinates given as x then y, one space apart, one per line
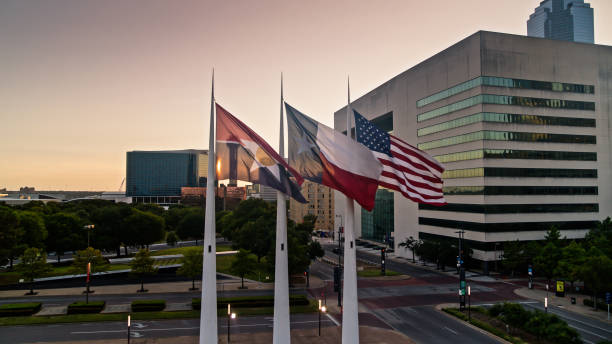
84 81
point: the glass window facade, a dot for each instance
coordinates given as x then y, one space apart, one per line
506 227
516 154
506 100
507 118
506 82
520 172
377 225
494 190
514 208
161 173
507 136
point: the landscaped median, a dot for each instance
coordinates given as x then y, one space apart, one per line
515 324
151 309
19 309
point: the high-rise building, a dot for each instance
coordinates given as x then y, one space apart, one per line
157 176
320 204
566 20
522 126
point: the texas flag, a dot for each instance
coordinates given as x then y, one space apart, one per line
244 155
325 156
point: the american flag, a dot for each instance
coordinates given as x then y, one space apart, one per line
405 168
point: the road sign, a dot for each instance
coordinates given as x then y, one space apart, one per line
608 298
560 290
530 271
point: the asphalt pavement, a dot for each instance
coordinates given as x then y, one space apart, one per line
148 329
425 324
591 330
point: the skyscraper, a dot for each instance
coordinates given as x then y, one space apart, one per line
566 20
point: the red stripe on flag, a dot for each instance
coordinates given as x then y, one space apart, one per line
413 151
361 189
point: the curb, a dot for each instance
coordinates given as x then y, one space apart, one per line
487 333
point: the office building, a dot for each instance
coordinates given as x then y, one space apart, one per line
320 204
566 20
522 126
158 176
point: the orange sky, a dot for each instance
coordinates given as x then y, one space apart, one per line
84 81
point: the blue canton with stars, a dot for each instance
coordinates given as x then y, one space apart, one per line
370 136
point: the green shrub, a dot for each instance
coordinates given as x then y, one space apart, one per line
19 309
600 304
86 308
253 301
148 305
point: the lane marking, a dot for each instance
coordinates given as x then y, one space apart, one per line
332 319
587 331
562 315
455 332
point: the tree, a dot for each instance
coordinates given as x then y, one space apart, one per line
513 256
546 262
192 265
242 264
34 230
10 235
572 259
256 236
143 228
596 272
65 233
315 250
601 237
89 255
192 225
143 265
109 225
171 238
33 264
411 244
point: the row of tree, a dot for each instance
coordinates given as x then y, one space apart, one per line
252 227
588 260
62 227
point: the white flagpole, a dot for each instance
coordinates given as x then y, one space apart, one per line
281 331
350 310
208 312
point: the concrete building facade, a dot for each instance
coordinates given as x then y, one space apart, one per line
320 204
522 126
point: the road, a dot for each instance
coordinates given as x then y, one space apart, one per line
424 324
591 330
147 329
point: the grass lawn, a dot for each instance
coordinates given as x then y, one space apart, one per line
376 273
260 273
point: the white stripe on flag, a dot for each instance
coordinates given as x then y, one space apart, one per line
346 153
402 188
406 175
420 153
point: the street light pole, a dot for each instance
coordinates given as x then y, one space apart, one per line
88 228
461 271
322 309
469 303
129 316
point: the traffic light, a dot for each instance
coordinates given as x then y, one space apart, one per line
337 278
382 261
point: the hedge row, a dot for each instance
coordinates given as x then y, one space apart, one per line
601 305
253 301
148 305
19 309
86 308
487 327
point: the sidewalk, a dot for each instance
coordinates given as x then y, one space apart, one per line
154 288
564 302
329 335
